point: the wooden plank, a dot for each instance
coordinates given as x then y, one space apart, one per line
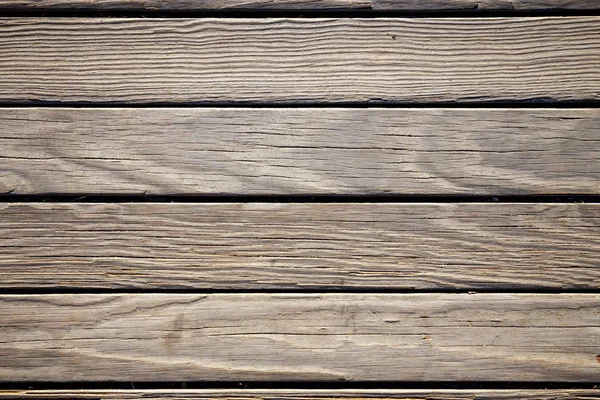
209 4
279 60
271 246
483 5
312 394
316 337
210 151
308 5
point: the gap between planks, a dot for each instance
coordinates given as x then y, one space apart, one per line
299 394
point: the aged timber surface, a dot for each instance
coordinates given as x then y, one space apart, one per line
267 245
376 5
299 151
320 337
312 394
292 61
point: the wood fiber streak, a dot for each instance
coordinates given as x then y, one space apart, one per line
482 5
366 5
278 337
299 151
270 246
278 60
312 394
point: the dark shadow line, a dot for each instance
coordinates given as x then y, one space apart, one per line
116 12
299 385
283 198
478 104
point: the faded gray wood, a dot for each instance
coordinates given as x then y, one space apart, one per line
299 151
377 5
202 4
320 337
312 394
483 5
278 60
269 245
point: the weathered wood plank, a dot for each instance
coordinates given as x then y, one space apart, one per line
376 5
259 246
278 337
312 394
299 151
482 4
299 60
210 4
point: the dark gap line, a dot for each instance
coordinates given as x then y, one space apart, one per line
83 12
533 290
482 104
296 385
308 198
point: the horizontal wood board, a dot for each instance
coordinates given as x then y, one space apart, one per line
316 5
299 394
270 246
275 151
279 60
309 337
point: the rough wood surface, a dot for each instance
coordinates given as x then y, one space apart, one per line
312 394
320 337
223 4
482 5
299 151
266 245
276 60
376 5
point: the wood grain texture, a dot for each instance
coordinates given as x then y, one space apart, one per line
312 394
299 60
316 337
299 151
267 245
483 5
376 5
207 4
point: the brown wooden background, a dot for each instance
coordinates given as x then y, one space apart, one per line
299 199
